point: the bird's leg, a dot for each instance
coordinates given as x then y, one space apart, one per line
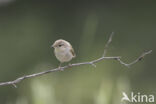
69 64
60 67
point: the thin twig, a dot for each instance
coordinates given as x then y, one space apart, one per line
107 44
118 58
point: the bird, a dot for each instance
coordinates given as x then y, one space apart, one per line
63 51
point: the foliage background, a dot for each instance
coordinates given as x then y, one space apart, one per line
29 27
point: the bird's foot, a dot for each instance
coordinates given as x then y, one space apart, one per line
70 65
60 68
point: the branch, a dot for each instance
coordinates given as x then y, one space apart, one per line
117 58
107 44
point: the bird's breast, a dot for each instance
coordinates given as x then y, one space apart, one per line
63 55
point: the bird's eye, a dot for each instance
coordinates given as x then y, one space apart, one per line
60 45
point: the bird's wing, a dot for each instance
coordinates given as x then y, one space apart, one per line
73 53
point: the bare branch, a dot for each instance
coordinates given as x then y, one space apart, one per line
118 58
107 44
135 61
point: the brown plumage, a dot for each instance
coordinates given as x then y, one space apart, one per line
63 50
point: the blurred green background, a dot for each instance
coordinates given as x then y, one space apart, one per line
29 27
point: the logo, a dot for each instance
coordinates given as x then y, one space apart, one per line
137 97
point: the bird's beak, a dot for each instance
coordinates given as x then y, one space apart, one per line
53 46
